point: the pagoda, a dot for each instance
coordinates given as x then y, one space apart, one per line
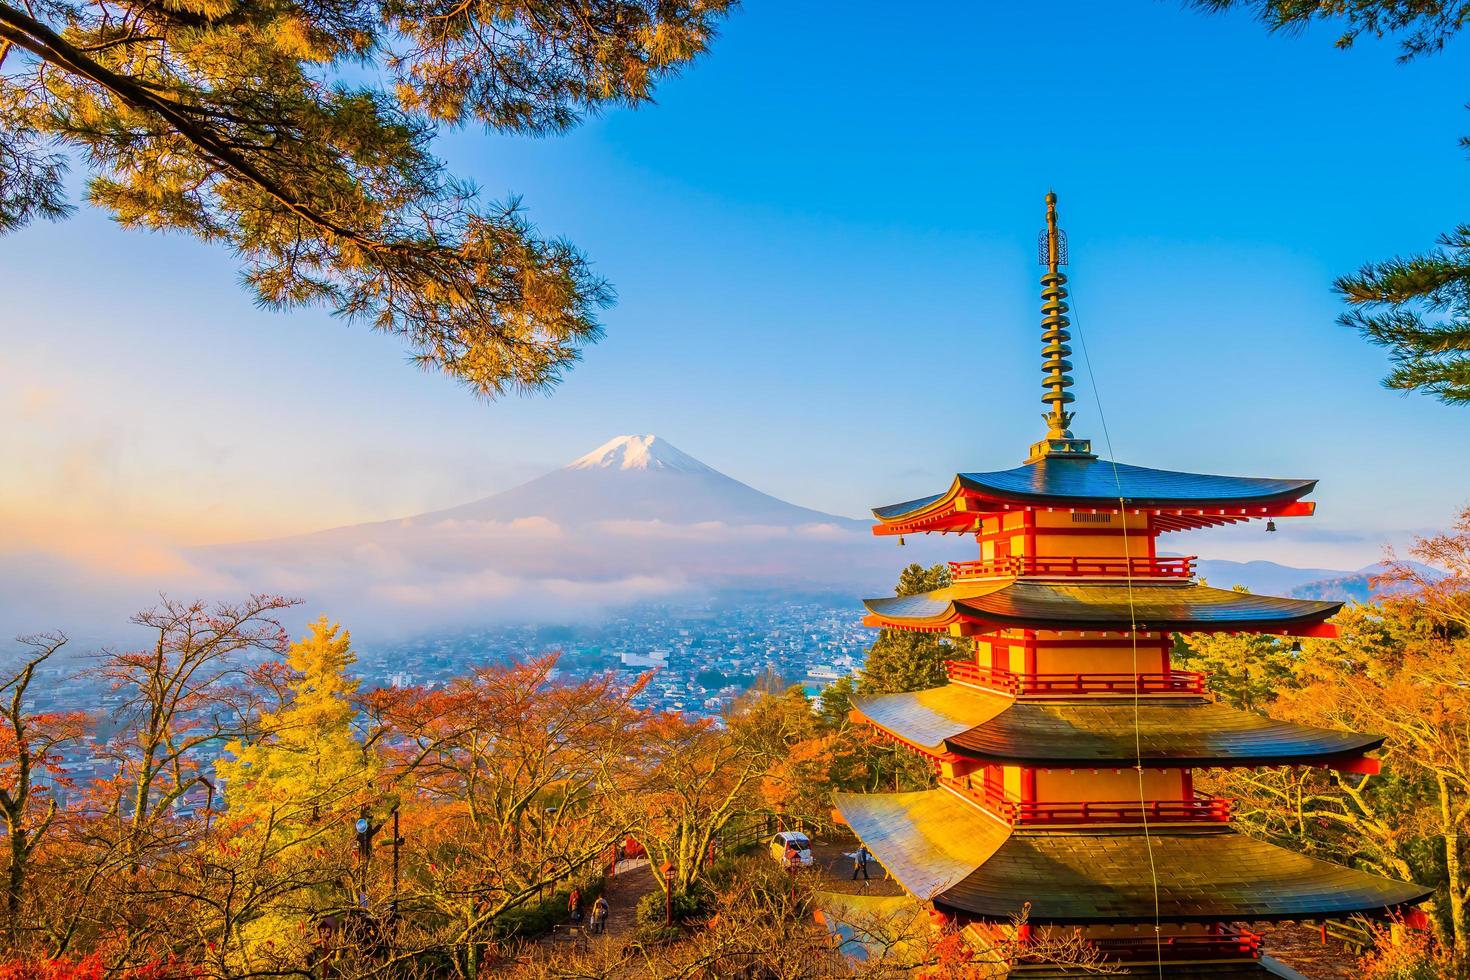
1065 747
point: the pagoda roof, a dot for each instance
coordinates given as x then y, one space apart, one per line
1096 732
1088 876
1097 483
1180 606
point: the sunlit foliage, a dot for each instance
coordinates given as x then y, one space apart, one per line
298 134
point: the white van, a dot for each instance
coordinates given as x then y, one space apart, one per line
796 839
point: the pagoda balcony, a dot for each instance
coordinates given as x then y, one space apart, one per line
1008 682
1203 808
1016 566
1225 943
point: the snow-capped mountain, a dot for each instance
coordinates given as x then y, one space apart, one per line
638 453
638 478
636 518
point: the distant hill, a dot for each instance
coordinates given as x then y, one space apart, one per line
1265 577
1355 586
1270 578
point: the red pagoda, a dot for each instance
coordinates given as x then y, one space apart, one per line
1065 747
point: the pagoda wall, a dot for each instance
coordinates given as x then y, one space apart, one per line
1112 785
1070 652
1065 534
1084 785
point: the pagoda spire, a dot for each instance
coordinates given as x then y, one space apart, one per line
1052 252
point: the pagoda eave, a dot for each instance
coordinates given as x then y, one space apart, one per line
1179 500
963 514
964 626
981 728
1103 876
979 608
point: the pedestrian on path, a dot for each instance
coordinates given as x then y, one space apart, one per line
860 862
600 910
574 905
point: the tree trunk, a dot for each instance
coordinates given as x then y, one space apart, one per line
15 885
1453 871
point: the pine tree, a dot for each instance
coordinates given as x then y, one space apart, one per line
299 135
903 661
1418 307
834 703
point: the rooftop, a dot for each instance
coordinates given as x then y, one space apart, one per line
1099 732
1202 874
1143 604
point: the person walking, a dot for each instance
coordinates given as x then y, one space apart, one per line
600 911
574 905
860 862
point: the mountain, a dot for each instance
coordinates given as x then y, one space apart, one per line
634 519
638 478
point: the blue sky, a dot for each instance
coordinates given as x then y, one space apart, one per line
823 240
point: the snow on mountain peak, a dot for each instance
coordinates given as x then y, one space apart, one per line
638 453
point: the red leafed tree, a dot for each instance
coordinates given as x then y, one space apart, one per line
30 751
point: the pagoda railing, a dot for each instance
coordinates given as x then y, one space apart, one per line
1032 813
1074 567
1228 943
999 679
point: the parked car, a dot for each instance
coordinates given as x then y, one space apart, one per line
795 839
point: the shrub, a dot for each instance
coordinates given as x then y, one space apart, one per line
651 909
535 919
1415 956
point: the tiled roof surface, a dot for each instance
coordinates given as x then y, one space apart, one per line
928 718
930 840
1091 731
1201 875
1100 481
927 841
1263 969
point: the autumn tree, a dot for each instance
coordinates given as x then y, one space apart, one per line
294 789
504 778
1415 306
187 691
299 135
690 780
901 660
31 747
809 757
1401 669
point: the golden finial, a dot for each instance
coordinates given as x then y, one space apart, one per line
1052 252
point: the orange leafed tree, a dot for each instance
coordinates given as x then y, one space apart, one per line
1400 668
501 775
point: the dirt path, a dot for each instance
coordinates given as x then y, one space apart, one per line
1302 949
633 880
834 856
